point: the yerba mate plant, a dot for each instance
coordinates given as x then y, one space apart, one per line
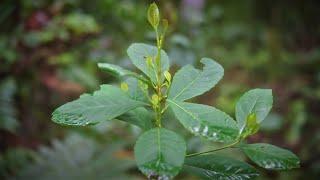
143 99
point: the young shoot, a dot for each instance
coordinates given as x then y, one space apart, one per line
142 99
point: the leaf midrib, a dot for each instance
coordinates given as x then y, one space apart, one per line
188 85
189 113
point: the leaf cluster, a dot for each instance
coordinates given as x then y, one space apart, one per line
141 99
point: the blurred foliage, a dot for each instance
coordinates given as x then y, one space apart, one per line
8 120
49 50
82 157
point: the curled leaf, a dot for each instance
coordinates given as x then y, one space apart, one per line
167 75
251 127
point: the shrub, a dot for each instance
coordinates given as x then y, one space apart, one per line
142 100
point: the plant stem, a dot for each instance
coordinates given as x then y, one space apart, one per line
158 108
214 150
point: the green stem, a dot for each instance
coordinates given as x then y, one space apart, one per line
214 150
158 108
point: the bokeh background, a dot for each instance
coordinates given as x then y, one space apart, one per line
48 55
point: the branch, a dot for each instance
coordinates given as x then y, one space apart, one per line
214 150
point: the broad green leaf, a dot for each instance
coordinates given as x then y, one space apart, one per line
153 15
160 153
219 167
105 104
137 90
139 52
205 121
271 157
139 117
189 82
258 101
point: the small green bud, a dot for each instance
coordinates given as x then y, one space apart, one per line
252 126
153 15
124 86
165 25
155 99
167 75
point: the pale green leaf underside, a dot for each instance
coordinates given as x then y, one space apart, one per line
189 82
105 104
258 101
139 117
138 52
271 157
219 167
116 70
205 121
160 152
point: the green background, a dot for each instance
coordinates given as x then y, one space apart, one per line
48 55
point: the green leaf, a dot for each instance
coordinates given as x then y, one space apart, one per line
139 52
219 167
205 121
271 157
119 71
189 82
137 90
153 15
258 101
139 117
105 104
116 70
160 153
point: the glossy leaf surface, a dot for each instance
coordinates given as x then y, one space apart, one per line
258 101
205 121
189 82
219 167
271 157
139 117
160 153
105 104
139 52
